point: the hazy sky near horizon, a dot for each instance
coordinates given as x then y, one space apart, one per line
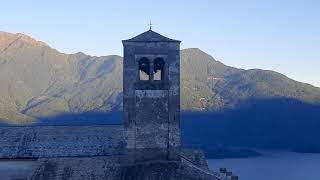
279 35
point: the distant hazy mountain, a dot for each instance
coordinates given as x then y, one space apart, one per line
37 81
210 85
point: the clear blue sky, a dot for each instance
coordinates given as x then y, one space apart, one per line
280 35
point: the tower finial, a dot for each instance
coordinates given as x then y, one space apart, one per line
150 25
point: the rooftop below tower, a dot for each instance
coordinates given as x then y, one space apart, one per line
150 36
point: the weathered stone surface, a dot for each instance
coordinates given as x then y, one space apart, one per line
196 157
117 168
166 170
60 141
152 128
152 107
98 168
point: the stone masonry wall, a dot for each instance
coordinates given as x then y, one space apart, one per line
152 108
95 168
60 141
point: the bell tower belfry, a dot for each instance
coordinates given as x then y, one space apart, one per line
151 97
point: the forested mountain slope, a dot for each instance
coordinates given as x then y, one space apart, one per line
37 81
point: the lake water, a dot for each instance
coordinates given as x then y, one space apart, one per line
17 169
273 166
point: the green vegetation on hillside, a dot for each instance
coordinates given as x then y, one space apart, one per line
38 81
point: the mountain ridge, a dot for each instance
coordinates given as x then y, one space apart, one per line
38 81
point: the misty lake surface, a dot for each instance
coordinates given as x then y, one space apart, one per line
273 166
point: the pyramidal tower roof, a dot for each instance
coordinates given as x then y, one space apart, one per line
150 36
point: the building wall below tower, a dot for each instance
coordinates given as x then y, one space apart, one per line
60 141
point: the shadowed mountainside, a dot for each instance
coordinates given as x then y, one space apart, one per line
38 82
280 123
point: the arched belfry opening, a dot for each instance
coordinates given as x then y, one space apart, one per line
151 97
144 69
158 68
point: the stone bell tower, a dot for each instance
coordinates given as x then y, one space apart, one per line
151 97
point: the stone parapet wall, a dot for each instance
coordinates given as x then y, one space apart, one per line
195 157
98 168
116 168
60 141
166 170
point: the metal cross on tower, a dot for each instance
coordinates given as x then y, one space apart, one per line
150 25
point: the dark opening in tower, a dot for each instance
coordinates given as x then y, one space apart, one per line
144 69
158 65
